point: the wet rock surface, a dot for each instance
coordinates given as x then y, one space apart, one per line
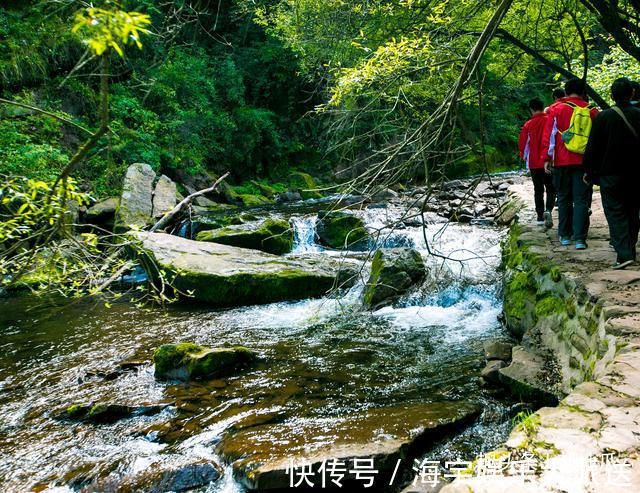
393 272
337 229
261 454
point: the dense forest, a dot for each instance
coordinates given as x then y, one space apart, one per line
260 88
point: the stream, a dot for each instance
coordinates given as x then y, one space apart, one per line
320 359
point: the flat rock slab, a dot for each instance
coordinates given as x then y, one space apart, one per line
262 454
522 377
223 276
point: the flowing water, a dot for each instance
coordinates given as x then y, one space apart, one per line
319 359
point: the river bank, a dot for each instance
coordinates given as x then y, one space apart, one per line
575 314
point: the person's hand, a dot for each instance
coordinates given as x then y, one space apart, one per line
585 179
547 167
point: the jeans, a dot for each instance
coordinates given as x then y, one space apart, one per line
622 208
574 201
541 181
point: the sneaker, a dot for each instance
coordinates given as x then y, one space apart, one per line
548 221
581 245
565 241
622 265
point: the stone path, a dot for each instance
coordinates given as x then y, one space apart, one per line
599 416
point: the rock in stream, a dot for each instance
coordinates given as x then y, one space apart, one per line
261 454
223 276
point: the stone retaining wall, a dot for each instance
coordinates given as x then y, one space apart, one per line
587 318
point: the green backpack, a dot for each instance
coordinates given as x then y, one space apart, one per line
575 138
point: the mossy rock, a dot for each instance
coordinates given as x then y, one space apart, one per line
106 413
224 276
266 190
393 272
250 200
187 361
337 229
306 185
272 236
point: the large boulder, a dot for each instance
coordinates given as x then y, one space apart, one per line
164 197
187 361
136 206
224 276
272 236
261 454
338 229
393 272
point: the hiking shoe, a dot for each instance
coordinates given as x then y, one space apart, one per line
565 241
622 265
581 245
548 220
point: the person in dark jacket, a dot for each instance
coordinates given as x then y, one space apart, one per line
530 146
611 159
573 195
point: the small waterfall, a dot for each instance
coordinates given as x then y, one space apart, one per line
304 235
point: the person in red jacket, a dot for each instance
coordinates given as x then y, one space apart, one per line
573 192
530 146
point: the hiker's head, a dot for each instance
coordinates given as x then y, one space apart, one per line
636 91
558 94
575 87
536 106
622 90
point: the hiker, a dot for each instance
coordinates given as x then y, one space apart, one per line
565 138
530 146
611 159
557 94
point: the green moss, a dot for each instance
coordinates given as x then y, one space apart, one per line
75 411
305 183
249 200
337 229
96 410
571 307
555 274
168 357
199 362
550 305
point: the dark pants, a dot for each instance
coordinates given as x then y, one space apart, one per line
542 181
574 201
622 208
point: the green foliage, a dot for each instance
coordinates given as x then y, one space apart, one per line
189 103
107 29
27 206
